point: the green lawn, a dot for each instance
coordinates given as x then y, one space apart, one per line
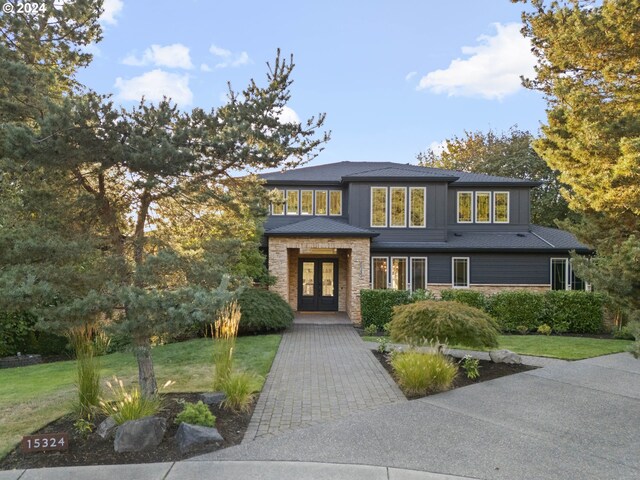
31 397
568 348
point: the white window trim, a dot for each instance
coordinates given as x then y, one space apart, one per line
373 271
286 202
477 194
406 274
386 208
313 202
390 214
329 203
508 207
567 272
424 206
458 207
453 272
426 273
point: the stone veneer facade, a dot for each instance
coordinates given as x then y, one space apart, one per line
353 267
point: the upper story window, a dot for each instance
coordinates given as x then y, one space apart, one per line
398 207
478 207
292 202
378 206
306 202
393 213
321 202
417 206
277 205
335 202
501 207
465 207
483 207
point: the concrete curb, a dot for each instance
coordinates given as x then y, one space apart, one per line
223 470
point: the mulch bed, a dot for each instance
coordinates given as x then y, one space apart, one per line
93 450
488 371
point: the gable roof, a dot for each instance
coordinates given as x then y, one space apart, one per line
320 227
341 172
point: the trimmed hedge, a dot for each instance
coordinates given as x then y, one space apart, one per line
472 298
377 305
448 322
575 311
514 308
263 311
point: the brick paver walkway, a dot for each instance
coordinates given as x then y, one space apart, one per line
320 373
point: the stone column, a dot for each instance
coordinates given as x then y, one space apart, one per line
279 267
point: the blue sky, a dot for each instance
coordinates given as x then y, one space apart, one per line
394 77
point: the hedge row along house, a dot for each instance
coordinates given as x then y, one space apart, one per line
335 229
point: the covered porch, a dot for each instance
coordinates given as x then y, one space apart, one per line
320 274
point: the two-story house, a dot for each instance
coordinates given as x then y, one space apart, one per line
338 228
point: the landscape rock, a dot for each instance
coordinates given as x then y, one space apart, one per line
189 436
213 398
106 428
505 356
139 435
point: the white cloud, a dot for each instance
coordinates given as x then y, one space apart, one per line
219 52
492 69
410 75
438 147
112 8
154 85
172 56
288 115
205 68
229 59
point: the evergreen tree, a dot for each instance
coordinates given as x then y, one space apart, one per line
588 63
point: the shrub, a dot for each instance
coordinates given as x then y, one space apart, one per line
468 297
623 333
377 305
443 321
420 295
544 329
263 311
239 388
514 309
225 331
130 405
634 328
15 330
418 373
576 311
370 330
522 329
383 344
196 414
471 366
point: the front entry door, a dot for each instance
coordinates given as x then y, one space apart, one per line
318 284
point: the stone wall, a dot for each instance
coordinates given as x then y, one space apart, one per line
353 268
490 288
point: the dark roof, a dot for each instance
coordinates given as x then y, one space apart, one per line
537 239
337 173
320 227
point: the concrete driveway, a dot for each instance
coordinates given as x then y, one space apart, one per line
579 420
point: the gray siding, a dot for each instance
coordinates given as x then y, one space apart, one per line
436 229
488 268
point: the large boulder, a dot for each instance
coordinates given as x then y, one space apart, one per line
505 356
139 435
213 398
190 436
106 428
